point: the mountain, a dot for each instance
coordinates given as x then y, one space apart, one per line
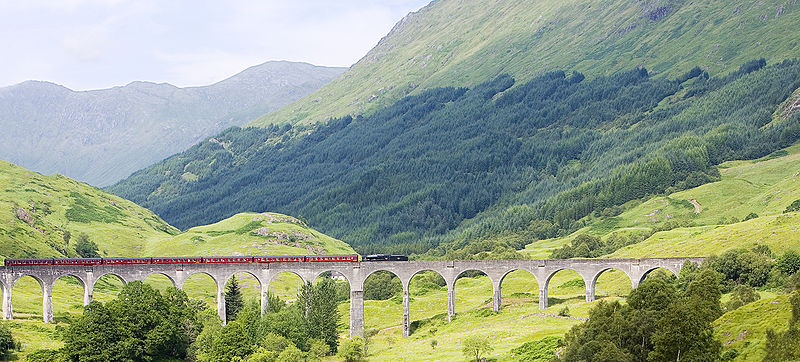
101 136
452 166
486 143
463 43
44 216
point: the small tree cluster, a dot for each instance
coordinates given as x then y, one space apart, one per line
141 324
305 329
661 322
382 285
85 247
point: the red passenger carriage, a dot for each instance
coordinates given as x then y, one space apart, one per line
126 261
227 259
177 260
77 261
186 260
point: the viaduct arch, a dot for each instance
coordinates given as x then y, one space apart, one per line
354 272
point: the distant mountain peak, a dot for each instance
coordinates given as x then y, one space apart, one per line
101 136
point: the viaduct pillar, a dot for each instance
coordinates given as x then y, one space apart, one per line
88 286
496 298
543 295
406 317
590 290
221 302
451 300
264 298
7 312
47 302
356 312
356 302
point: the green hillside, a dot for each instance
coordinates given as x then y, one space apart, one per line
37 211
745 329
746 207
457 43
249 234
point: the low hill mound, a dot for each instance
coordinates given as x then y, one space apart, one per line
250 234
43 216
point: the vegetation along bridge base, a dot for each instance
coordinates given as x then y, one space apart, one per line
355 273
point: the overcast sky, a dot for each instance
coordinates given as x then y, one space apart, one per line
92 44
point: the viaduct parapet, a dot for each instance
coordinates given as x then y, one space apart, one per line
355 273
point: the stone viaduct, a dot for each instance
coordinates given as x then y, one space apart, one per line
355 273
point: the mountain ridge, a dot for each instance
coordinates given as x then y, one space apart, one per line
101 136
456 43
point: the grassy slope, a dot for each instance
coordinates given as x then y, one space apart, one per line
765 187
121 228
457 43
118 226
237 235
745 328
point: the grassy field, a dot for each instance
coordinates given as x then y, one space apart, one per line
763 187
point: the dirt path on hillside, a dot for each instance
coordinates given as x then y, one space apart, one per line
697 206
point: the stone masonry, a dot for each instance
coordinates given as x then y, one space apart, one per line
355 273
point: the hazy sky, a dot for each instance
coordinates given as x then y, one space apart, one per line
90 44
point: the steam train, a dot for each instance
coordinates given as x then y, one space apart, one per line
206 260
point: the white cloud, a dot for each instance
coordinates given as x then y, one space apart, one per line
203 68
102 43
86 43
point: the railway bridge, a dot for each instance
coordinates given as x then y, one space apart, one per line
355 273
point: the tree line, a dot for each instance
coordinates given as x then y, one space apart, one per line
144 324
670 319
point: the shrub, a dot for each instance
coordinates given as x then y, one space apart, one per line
292 354
352 349
788 263
476 346
749 216
275 342
85 247
6 339
382 285
318 349
742 295
794 206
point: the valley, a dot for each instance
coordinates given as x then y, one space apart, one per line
494 132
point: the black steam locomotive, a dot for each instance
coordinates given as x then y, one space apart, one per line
385 257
